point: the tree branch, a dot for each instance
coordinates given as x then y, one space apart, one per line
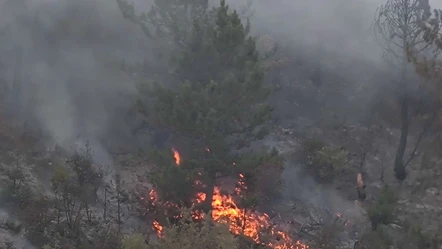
421 135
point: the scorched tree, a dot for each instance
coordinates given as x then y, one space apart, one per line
398 27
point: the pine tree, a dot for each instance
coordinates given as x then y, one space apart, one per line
219 108
430 67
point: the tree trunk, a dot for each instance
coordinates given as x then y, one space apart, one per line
105 204
209 192
399 167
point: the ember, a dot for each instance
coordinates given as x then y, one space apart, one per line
245 222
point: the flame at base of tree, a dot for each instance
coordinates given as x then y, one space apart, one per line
253 225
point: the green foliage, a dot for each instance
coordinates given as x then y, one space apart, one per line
226 98
173 183
174 18
417 237
311 146
134 241
63 217
220 105
383 210
331 155
15 180
427 239
166 18
324 161
105 235
328 236
37 219
188 234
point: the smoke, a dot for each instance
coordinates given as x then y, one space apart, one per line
61 66
300 187
61 60
17 240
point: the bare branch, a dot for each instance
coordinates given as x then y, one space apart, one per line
397 27
427 126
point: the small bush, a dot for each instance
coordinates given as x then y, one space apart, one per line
382 211
324 161
188 234
311 146
16 185
328 236
378 239
416 237
134 241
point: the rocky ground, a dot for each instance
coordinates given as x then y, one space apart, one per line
419 202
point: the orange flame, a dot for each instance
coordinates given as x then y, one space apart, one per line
241 221
246 222
177 156
158 228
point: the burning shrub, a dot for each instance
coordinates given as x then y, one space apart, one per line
382 211
241 218
324 161
257 179
174 184
188 234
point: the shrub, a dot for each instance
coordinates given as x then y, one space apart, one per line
134 241
417 237
188 234
378 239
16 184
328 236
324 161
382 211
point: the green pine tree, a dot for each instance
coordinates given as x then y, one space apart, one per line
219 108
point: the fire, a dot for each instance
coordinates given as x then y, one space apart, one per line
177 156
241 221
158 228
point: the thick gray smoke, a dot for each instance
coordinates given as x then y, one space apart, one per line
61 66
61 60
